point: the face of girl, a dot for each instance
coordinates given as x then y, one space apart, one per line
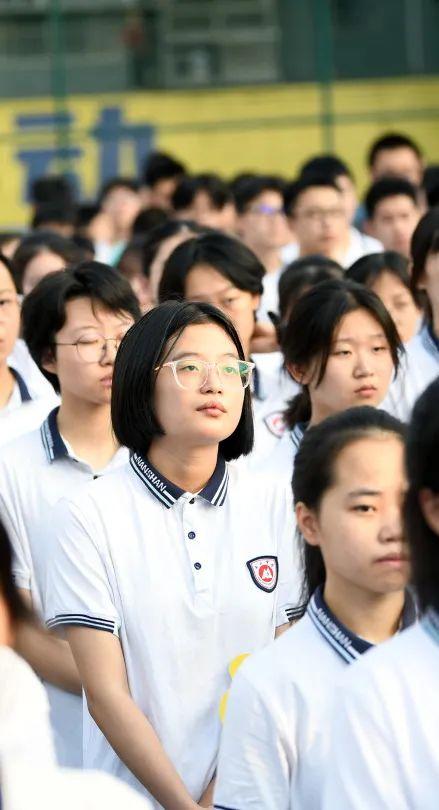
358 371
358 524
430 280
164 251
9 314
203 283
41 265
398 300
207 414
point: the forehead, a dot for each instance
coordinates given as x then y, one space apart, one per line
6 282
267 197
83 312
358 321
204 277
375 461
318 195
206 339
398 202
401 156
390 284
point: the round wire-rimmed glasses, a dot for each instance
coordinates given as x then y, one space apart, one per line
93 349
192 374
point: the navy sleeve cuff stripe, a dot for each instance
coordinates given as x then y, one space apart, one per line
82 621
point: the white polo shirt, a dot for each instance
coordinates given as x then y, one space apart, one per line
275 743
36 470
419 368
385 734
278 463
188 581
360 244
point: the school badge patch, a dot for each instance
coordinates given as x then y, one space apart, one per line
275 423
264 572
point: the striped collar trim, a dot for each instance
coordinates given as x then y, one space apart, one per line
168 493
22 387
348 645
429 339
430 623
297 433
52 442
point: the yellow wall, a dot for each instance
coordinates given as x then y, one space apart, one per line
272 128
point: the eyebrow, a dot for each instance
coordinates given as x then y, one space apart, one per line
354 340
215 292
180 355
361 493
8 290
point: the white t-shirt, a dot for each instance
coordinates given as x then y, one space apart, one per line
188 581
275 743
36 470
278 464
270 295
385 734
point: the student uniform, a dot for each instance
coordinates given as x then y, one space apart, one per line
359 245
275 744
187 581
385 733
419 368
278 463
36 470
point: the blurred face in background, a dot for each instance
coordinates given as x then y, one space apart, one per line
393 222
399 162
399 301
162 254
41 265
320 223
263 226
9 314
348 194
205 213
122 205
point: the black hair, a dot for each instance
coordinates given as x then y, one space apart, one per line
162 232
425 241
368 269
117 182
302 274
161 166
329 166
294 190
388 187
308 334
130 262
46 213
85 214
6 262
241 179
9 236
16 607
225 254
430 184
211 184
314 466
143 349
41 242
147 219
392 140
423 473
248 190
44 309
53 189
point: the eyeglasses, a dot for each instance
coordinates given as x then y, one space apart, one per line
266 210
192 374
93 349
320 214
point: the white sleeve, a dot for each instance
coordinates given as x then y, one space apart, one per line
288 602
21 556
253 767
78 591
364 768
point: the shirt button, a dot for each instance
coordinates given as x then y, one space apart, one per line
197 566
192 500
192 535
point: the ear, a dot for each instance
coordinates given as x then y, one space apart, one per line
429 503
308 524
256 301
49 362
299 374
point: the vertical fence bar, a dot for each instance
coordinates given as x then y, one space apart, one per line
324 56
58 75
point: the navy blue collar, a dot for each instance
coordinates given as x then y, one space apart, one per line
433 338
22 387
51 438
344 642
168 493
297 433
431 624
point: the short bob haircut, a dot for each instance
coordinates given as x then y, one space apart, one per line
314 472
228 256
145 347
44 309
293 191
43 242
425 242
423 473
309 332
369 269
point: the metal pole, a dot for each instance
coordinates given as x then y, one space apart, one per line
59 85
324 56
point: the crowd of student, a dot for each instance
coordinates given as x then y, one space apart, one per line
219 425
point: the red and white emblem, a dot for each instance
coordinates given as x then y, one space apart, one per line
264 571
275 423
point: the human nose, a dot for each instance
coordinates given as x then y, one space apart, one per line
213 382
363 365
392 525
109 350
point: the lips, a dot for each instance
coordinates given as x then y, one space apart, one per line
366 390
396 558
212 407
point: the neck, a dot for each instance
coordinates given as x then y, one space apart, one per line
7 382
270 258
188 468
87 428
374 617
